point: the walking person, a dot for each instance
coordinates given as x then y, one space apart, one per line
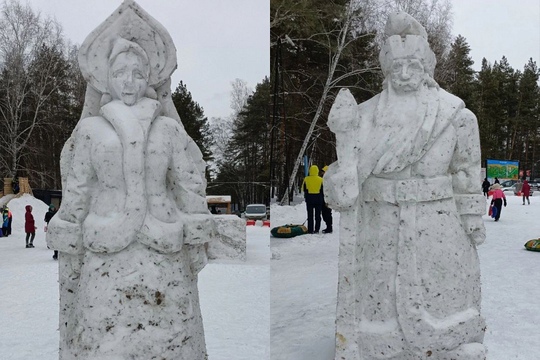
314 196
485 187
48 216
518 187
10 220
497 200
5 221
326 211
29 227
526 191
496 181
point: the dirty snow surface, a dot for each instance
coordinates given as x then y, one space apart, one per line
304 284
235 296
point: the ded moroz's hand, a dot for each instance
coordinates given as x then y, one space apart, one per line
474 228
343 109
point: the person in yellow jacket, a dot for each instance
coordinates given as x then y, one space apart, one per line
314 195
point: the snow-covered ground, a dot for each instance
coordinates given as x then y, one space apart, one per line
304 284
235 296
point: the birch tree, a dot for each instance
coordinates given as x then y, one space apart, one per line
321 46
29 65
343 25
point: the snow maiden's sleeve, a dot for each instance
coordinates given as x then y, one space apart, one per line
64 232
465 170
188 184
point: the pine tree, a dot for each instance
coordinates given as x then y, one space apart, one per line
193 119
488 112
244 171
460 74
527 116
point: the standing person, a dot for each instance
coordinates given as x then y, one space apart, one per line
518 187
29 227
10 221
526 191
313 193
485 187
48 216
326 211
497 200
5 220
496 181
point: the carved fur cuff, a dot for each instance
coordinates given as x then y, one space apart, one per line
64 236
470 204
199 229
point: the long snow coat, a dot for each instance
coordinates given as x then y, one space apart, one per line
134 216
409 279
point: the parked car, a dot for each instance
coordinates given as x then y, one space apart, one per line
255 212
534 184
514 190
508 183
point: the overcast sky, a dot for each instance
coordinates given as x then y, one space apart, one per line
217 41
494 28
220 40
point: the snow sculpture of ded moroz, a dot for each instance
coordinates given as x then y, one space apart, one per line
407 184
133 223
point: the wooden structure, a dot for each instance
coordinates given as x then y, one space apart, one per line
8 186
221 202
24 186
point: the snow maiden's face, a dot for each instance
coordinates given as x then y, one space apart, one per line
406 75
128 79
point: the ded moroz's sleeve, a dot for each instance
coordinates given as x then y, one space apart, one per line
465 166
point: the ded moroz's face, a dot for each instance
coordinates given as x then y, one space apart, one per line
407 75
127 78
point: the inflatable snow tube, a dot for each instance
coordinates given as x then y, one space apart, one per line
288 231
533 245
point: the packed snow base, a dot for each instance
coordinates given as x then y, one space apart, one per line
304 286
234 296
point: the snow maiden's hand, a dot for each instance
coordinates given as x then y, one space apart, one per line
474 228
199 230
197 257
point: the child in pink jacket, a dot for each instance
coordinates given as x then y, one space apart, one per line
497 200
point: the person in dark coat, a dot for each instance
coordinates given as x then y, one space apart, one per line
496 181
5 221
526 191
10 221
48 216
29 227
313 193
326 212
485 187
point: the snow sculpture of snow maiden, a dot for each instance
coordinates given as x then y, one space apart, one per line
406 183
133 221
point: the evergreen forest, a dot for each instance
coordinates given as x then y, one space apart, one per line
255 153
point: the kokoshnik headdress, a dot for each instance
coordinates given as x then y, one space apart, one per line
130 22
406 38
